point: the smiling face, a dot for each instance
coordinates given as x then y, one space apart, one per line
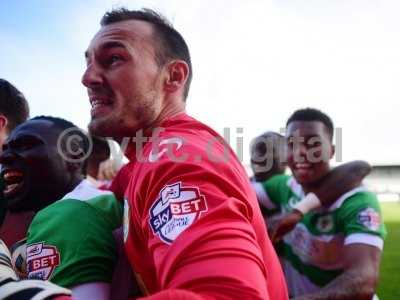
33 171
309 149
123 79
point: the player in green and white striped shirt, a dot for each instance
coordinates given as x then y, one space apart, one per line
70 239
333 252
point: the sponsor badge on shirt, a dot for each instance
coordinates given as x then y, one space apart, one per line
369 218
176 208
41 260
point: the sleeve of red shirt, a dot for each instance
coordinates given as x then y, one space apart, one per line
218 256
120 182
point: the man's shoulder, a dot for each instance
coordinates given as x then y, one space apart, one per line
360 212
282 182
364 195
281 178
85 191
281 188
84 200
188 143
184 122
191 131
357 197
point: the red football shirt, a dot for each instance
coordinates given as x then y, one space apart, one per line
193 228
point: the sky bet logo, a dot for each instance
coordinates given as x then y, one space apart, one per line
175 210
41 260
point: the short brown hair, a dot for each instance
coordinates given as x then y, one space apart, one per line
171 43
13 104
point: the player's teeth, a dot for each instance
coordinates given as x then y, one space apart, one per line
12 174
97 103
10 188
302 166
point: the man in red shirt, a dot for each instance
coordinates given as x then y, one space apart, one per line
193 226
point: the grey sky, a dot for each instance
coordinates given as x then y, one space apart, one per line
254 63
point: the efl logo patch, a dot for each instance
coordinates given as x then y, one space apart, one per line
41 260
175 210
369 218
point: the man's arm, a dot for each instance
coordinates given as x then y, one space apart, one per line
359 280
218 256
340 180
337 182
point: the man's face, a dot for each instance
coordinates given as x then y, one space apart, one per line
123 79
309 149
32 168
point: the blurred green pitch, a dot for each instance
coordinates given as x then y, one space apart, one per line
389 282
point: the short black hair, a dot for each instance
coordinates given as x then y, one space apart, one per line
81 142
60 123
13 105
171 43
312 114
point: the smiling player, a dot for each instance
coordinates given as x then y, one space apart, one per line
334 252
14 110
70 240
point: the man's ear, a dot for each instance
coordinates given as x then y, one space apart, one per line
75 163
74 167
3 129
3 122
177 73
333 149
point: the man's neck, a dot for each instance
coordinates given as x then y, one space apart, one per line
74 183
177 107
312 186
154 129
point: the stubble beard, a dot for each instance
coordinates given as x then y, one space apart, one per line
138 115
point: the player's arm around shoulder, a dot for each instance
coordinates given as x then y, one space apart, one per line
339 181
